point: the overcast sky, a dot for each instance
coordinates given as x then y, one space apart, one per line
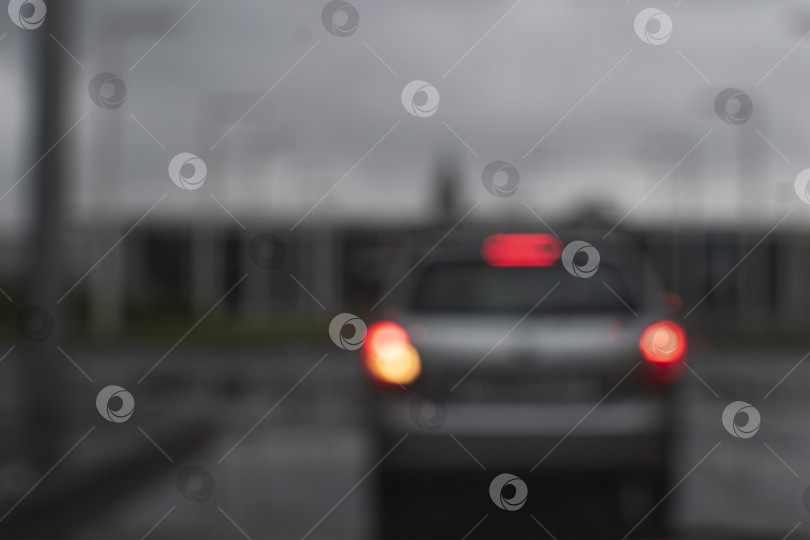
615 114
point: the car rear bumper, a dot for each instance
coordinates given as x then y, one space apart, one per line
610 436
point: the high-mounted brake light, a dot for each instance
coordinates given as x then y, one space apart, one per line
521 249
388 354
663 342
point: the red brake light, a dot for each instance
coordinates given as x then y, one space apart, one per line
521 249
388 354
663 342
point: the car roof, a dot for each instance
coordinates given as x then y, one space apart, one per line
465 243
435 247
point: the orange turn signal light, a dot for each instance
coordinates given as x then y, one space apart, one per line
389 356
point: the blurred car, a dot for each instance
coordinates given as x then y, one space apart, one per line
510 352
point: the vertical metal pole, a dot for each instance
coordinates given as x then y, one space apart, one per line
42 372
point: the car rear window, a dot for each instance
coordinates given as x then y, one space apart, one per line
477 287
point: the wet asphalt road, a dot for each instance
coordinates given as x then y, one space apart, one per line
290 457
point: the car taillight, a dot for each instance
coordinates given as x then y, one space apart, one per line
388 354
521 249
663 342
